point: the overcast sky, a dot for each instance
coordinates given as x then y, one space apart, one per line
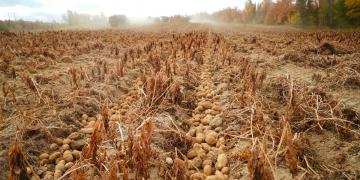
46 10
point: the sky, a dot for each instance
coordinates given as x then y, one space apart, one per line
49 10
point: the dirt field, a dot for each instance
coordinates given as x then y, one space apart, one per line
180 101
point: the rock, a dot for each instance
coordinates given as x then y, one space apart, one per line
222 161
76 136
66 141
191 154
169 161
44 156
85 117
54 146
216 108
78 144
65 147
216 122
207 170
69 165
196 162
225 170
207 105
210 140
200 137
68 156
86 130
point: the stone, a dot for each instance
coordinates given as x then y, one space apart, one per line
216 122
78 144
44 156
169 161
76 136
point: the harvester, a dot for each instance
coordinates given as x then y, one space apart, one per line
117 20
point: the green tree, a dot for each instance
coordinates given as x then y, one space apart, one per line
340 13
22 23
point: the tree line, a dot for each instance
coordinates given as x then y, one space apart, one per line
304 13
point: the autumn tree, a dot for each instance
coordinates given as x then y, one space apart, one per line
353 11
248 11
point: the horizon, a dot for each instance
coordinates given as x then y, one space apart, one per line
48 11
